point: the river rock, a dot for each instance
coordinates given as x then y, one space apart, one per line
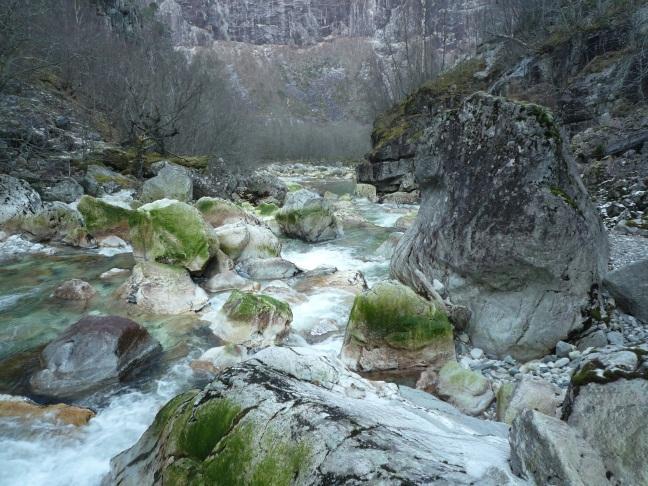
261 186
114 272
308 216
56 221
386 249
217 359
163 289
400 197
289 416
94 352
606 403
629 287
326 277
467 390
255 320
17 198
104 219
500 194
172 182
241 241
533 393
267 268
75 289
225 281
100 181
548 451
218 212
173 233
67 191
406 221
24 409
393 329
366 190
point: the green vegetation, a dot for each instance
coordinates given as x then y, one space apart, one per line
557 191
101 217
267 209
173 233
212 444
246 306
395 314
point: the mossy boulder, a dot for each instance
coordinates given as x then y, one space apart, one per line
100 181
308 216
242 241
218 212
102 218
267 209
393 328
173 233
257 319
467 390
58 222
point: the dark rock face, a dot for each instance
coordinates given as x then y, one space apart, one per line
606 403
505 224
288 416
629 287
94 352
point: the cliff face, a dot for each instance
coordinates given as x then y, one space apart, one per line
320 59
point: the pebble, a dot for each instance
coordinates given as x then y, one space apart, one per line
562 362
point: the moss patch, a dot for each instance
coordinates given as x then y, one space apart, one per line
267 209
394 314
557 191
101 217
173 234
245 306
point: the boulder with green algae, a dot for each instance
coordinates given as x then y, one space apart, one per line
172 182
292 416
173 233
467 390
308 216
391 328
256 319
56 221
218 212
102 218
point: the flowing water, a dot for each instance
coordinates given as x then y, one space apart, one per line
42 453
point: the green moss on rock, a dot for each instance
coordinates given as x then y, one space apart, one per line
267 209
246 306
103 218
395 314
173 233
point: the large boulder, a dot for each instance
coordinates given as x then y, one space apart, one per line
17 198
606 403
218 212
241 241
100 181
548 451
267 268
163 289
67 191
308 216
393 329
172 182
94 352
75 289
289 416
629 287
501 194
255 320
55 221
104 219
531 392
262 186
171 232
467 390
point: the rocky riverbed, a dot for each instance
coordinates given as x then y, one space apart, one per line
309 298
